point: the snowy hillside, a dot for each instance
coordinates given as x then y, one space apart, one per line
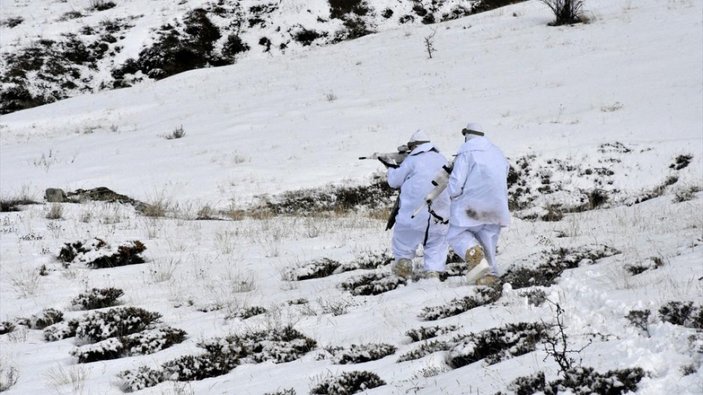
257 262
58 49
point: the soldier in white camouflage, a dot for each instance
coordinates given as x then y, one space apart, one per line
478 191
429 228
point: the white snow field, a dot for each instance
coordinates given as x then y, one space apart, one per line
615 104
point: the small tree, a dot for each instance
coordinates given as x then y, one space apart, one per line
176 134
429 44
566 11
556 345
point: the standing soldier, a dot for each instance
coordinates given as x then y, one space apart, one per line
478 190
428 228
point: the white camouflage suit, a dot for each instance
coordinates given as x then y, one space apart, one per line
479 198
414 178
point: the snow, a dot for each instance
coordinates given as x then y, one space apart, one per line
270 124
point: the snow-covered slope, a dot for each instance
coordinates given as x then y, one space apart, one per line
53 50
265 126
615 105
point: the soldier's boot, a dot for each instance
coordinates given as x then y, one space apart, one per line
441 276
475 263
403 268
474 256
489 280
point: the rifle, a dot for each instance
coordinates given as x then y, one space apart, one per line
394 213
390 159
440 182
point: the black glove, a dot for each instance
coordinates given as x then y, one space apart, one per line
387 163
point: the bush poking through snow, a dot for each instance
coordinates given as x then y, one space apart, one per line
55 211
6 327
62 330
498 344
522 277
70 251
306 36
247 312
372 284
177 133
127 254
178 47
111 348
681 162
326 267
488 5
117 333
97 254
544 269
689 369
639 319
493 345
652 263
151 341
11 22
44 319
340 8
278 345
581 381
140 378
315 269
686 194
101 5
535 297
587 381
233 46
428 348
297 302
332 199
348 383
198 367
8 376
682 313
429 332
334 306
142 343
528 385
566 12
97 298
652 193
368 261
455 265
553 214
482 296
616 147
287 391
120 321
222 355
357 353
10 205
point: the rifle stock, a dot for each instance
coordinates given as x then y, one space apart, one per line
394 213
394 159
440 182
